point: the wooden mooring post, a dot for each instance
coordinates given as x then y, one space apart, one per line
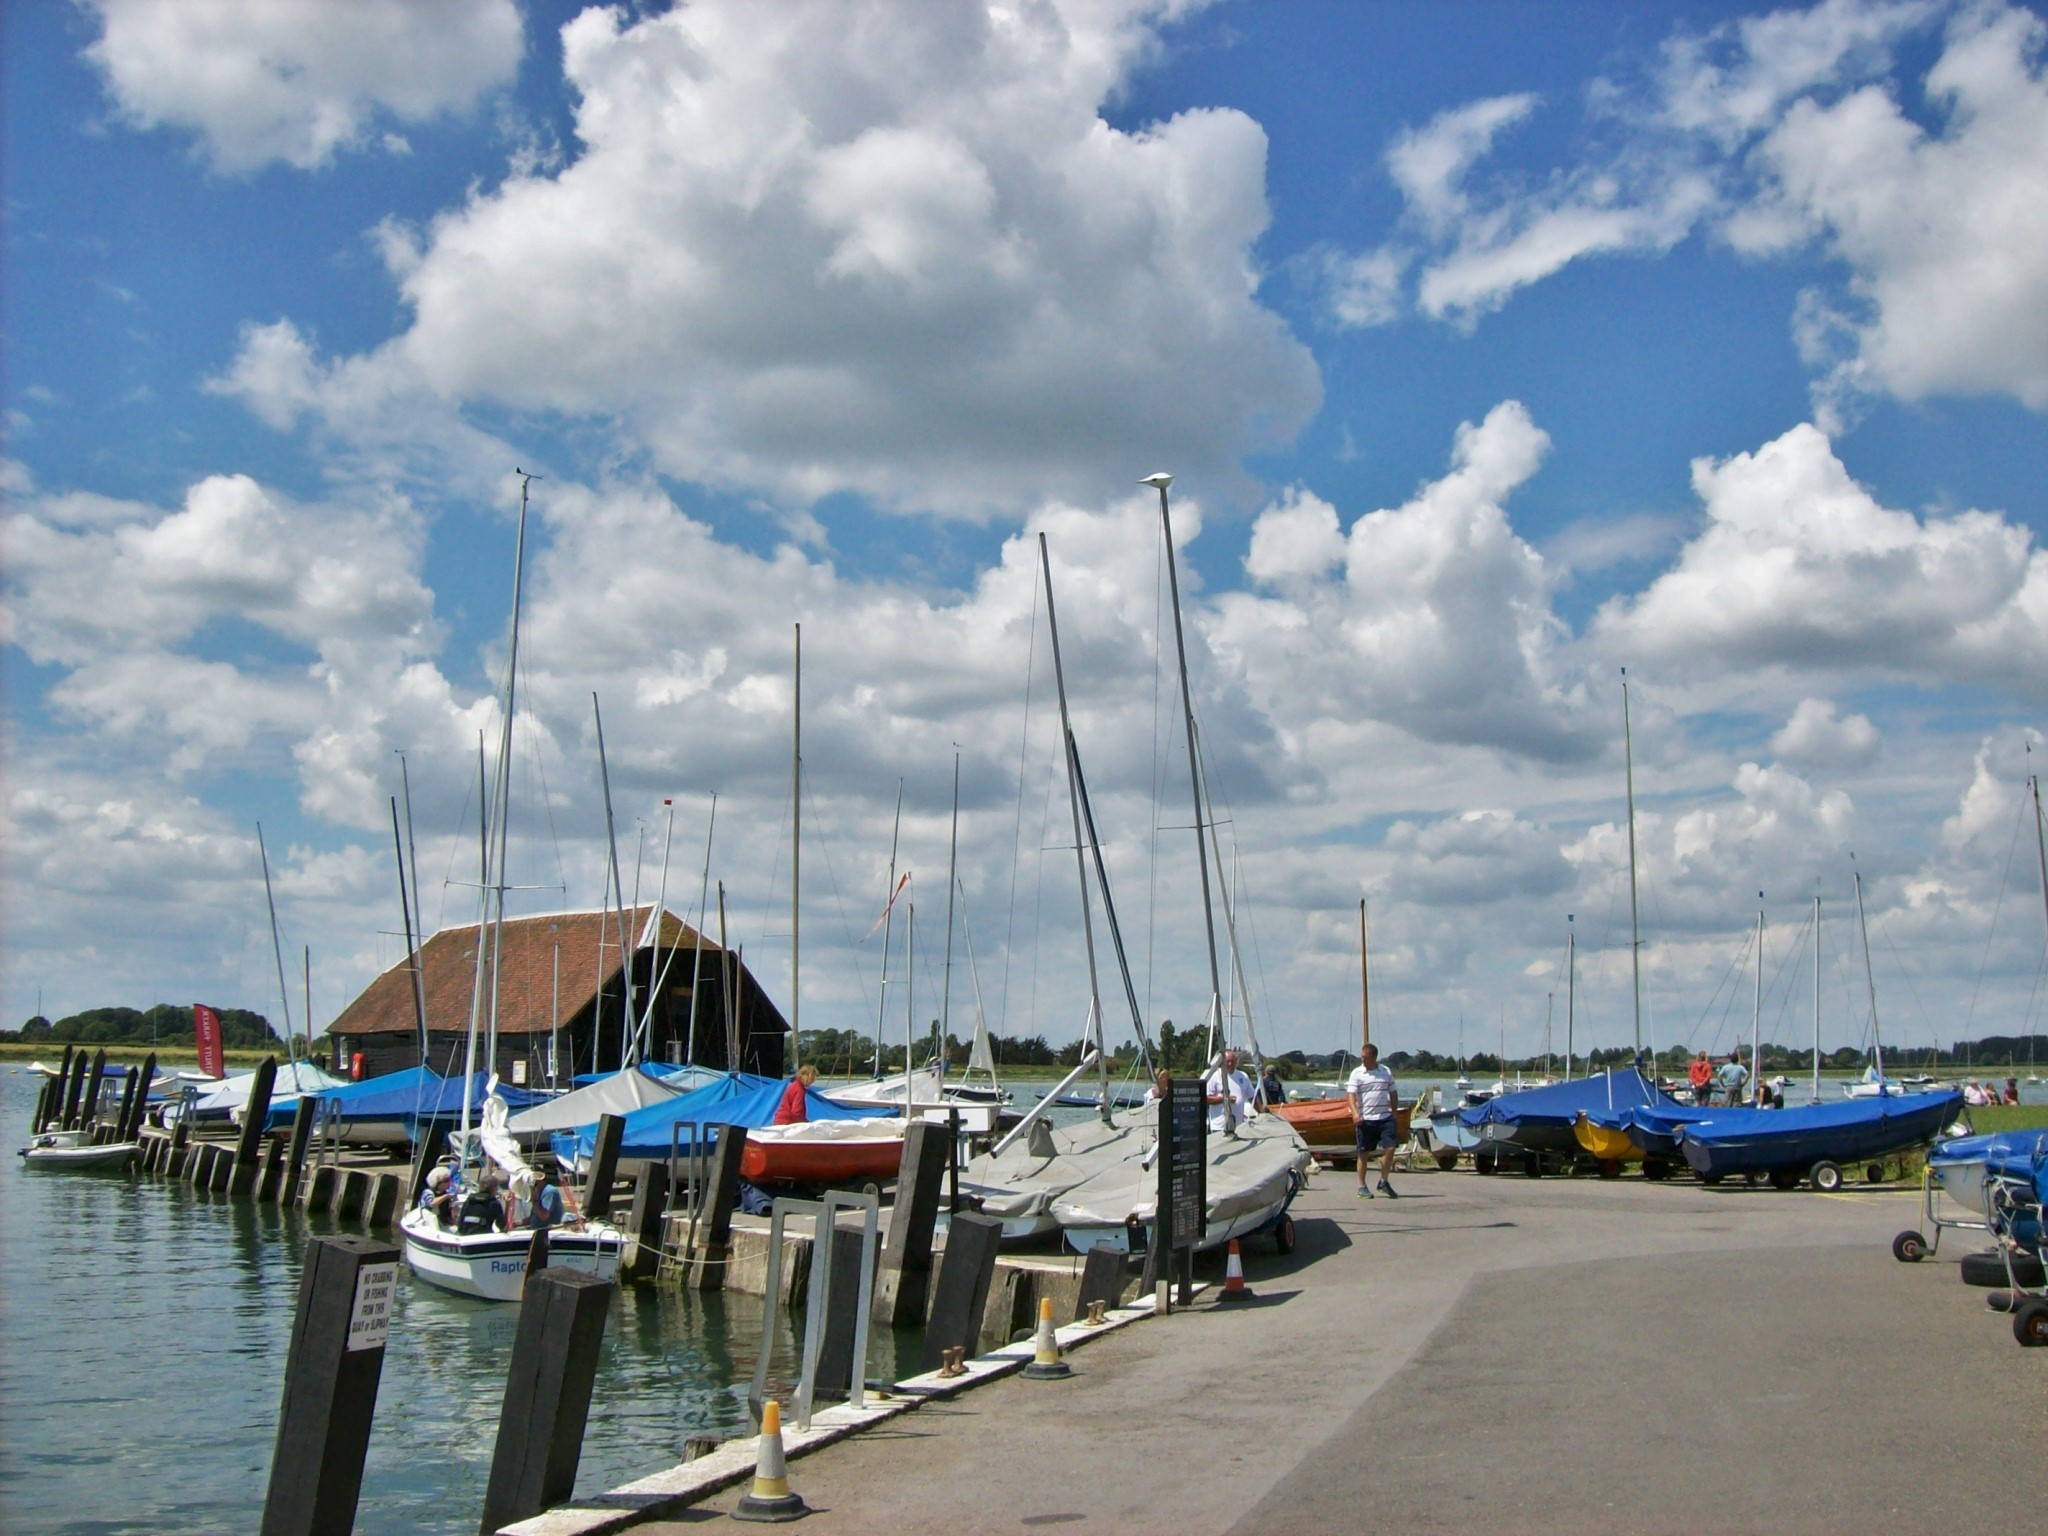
173 1162
718 1199
330 1387
547 1395
903 1285
249 1148
127 1107
961 1295
89 1109
50 1108
643 1227
295 1159
131 1128
604 1166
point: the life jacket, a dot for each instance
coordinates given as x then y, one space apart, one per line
480 1213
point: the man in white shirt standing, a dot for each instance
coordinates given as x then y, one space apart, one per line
1231 1092
1371 1089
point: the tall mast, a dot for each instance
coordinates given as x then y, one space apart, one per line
909 1012
796 848
1571 990
2040 843
412 954
1059 673
644 1039
697 948
952 880
617 898
888 924
1816 992
1869 980
1364 984
1635 930
504 787
1160 482
276 946
1756 1017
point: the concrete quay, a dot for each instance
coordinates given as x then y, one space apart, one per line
1505 1354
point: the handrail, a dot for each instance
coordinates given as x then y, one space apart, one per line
1088 1059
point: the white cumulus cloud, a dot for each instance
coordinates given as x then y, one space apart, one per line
1819 736
298 81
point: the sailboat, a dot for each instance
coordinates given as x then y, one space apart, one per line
1096 1181
1873 1084
492 1265
1327 1123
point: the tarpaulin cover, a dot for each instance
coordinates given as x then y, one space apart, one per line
416 1092
616 1093
742 1099
231 1094
1562 1103
1797 1138
2007 1152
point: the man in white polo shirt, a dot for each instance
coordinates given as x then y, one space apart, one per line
1371 1089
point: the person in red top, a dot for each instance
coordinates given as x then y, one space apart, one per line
792 1110
1700 1073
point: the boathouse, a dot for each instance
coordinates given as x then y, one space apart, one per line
561 986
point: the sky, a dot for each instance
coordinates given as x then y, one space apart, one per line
1494 349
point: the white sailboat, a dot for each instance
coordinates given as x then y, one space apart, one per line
491 1265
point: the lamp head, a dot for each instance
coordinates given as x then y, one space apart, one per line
1158 481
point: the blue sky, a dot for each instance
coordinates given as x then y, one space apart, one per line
1495 347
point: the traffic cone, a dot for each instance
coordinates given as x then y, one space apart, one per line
1046 1364
770 1500
1233 1274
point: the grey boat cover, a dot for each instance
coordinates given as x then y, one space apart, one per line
619 1094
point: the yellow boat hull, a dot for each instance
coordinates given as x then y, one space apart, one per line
1604 1145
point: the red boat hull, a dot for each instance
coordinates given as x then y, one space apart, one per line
820 1162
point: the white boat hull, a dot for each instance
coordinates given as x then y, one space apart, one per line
491 1266
74 1149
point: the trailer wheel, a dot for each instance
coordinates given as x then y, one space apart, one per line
1909 1247
2030 1324
1988 1269
1873 1173
1711 1179
1283 1235
1532 1165
1655 1168
1484 1162
1826 1176
1610 1167
1784 1178
1446 1158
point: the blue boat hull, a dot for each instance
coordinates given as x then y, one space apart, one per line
1793 1140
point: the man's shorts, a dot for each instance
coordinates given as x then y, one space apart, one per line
1375 1135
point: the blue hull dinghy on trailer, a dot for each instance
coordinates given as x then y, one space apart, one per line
1536 1127
1788 1145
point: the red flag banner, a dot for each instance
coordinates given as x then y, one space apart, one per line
206 1027
888 907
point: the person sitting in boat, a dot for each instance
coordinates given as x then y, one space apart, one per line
481 1210
435 1197
549 1209
1230 1091
1271 1089
793 1110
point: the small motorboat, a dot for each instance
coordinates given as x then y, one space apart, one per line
832 1152
491 1266
77 1149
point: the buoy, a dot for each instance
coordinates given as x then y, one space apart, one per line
1233 1274
1046 1364
770 1499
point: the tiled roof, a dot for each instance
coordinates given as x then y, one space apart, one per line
526 979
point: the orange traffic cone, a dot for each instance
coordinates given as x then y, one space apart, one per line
1233 1274
770 1499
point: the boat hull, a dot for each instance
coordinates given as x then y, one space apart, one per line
1794 1140
1604 1144
820 1162
70 1150
491 1266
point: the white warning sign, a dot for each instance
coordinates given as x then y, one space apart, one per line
369 1323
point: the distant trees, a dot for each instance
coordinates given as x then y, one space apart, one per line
167 1024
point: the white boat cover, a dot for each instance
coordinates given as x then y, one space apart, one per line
619 1094
882 1128
231 1094
1248 1175
1021 1185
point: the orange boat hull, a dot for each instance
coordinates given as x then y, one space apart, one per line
820 1162
1328 1122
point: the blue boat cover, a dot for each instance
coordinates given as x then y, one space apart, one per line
1562 1103
741 1099
1735 1142
418 1092
2008 1152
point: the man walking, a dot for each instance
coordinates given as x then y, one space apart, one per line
1371 1089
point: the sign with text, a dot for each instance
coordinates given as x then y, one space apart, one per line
207 1037
1183 1163
369 1322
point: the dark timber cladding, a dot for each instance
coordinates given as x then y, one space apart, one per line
580 953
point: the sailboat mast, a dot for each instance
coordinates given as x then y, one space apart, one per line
888 924
1364 984
617 896
1635 929
276 947
655 974
412 954
796 849
1756 1016
909 1012
952 880
697 947
1059 673
1816 997
1187 708
503 794
1869 981
1571 990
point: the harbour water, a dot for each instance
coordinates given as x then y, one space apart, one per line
146 1329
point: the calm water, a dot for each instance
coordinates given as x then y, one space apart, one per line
146 1330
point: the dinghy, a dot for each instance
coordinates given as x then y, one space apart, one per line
840 1153
76 1150
1814 1142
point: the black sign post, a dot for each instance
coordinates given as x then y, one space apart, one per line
1183 1180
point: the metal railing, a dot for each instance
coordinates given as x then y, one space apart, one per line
817 1304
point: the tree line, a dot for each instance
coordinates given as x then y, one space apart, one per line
166 1024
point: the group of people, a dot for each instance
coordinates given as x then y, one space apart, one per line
1730 1084
488 1207
1978 1095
